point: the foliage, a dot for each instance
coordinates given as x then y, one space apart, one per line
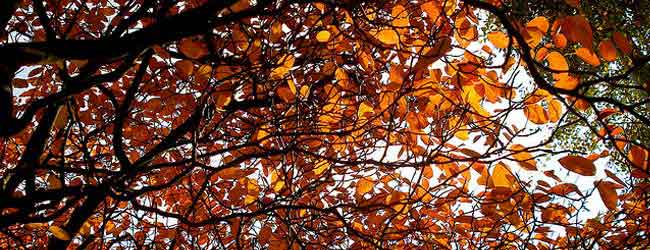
321 124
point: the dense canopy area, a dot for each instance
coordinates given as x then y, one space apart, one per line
300 124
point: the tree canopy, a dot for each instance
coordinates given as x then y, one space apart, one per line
285 124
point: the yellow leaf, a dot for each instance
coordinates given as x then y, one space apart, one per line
292 86
363 109
249 199
59 233
276 182
462 134
286 62
364 186
321 166
579 165
261 133
389 37
323 36
499 39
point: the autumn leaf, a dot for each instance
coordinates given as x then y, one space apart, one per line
579 165
564 189
323 36
578 29
59 233
192 48
364 186
622 43
388 37
639 157
321 166
607 50
524 158
566 82
557 62
588 56
608 194
499 39
500 176
184 68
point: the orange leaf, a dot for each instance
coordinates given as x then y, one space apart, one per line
622 42
557 62
579 165
286 94
588 56
54 182
559 40
536 113
500 176
364 186
499 39
192 48
524 158
400 16
59 233
427 171
565 189
607 191
639 157
566 82
607 50
554 110
389 37
578 29
184 68
540 23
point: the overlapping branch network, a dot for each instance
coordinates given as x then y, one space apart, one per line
311 124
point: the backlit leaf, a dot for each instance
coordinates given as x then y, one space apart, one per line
588 56
607 50
579 165
59 233
388 36
323 36
557 62
364 186
499 39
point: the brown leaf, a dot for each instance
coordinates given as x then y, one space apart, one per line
579 165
